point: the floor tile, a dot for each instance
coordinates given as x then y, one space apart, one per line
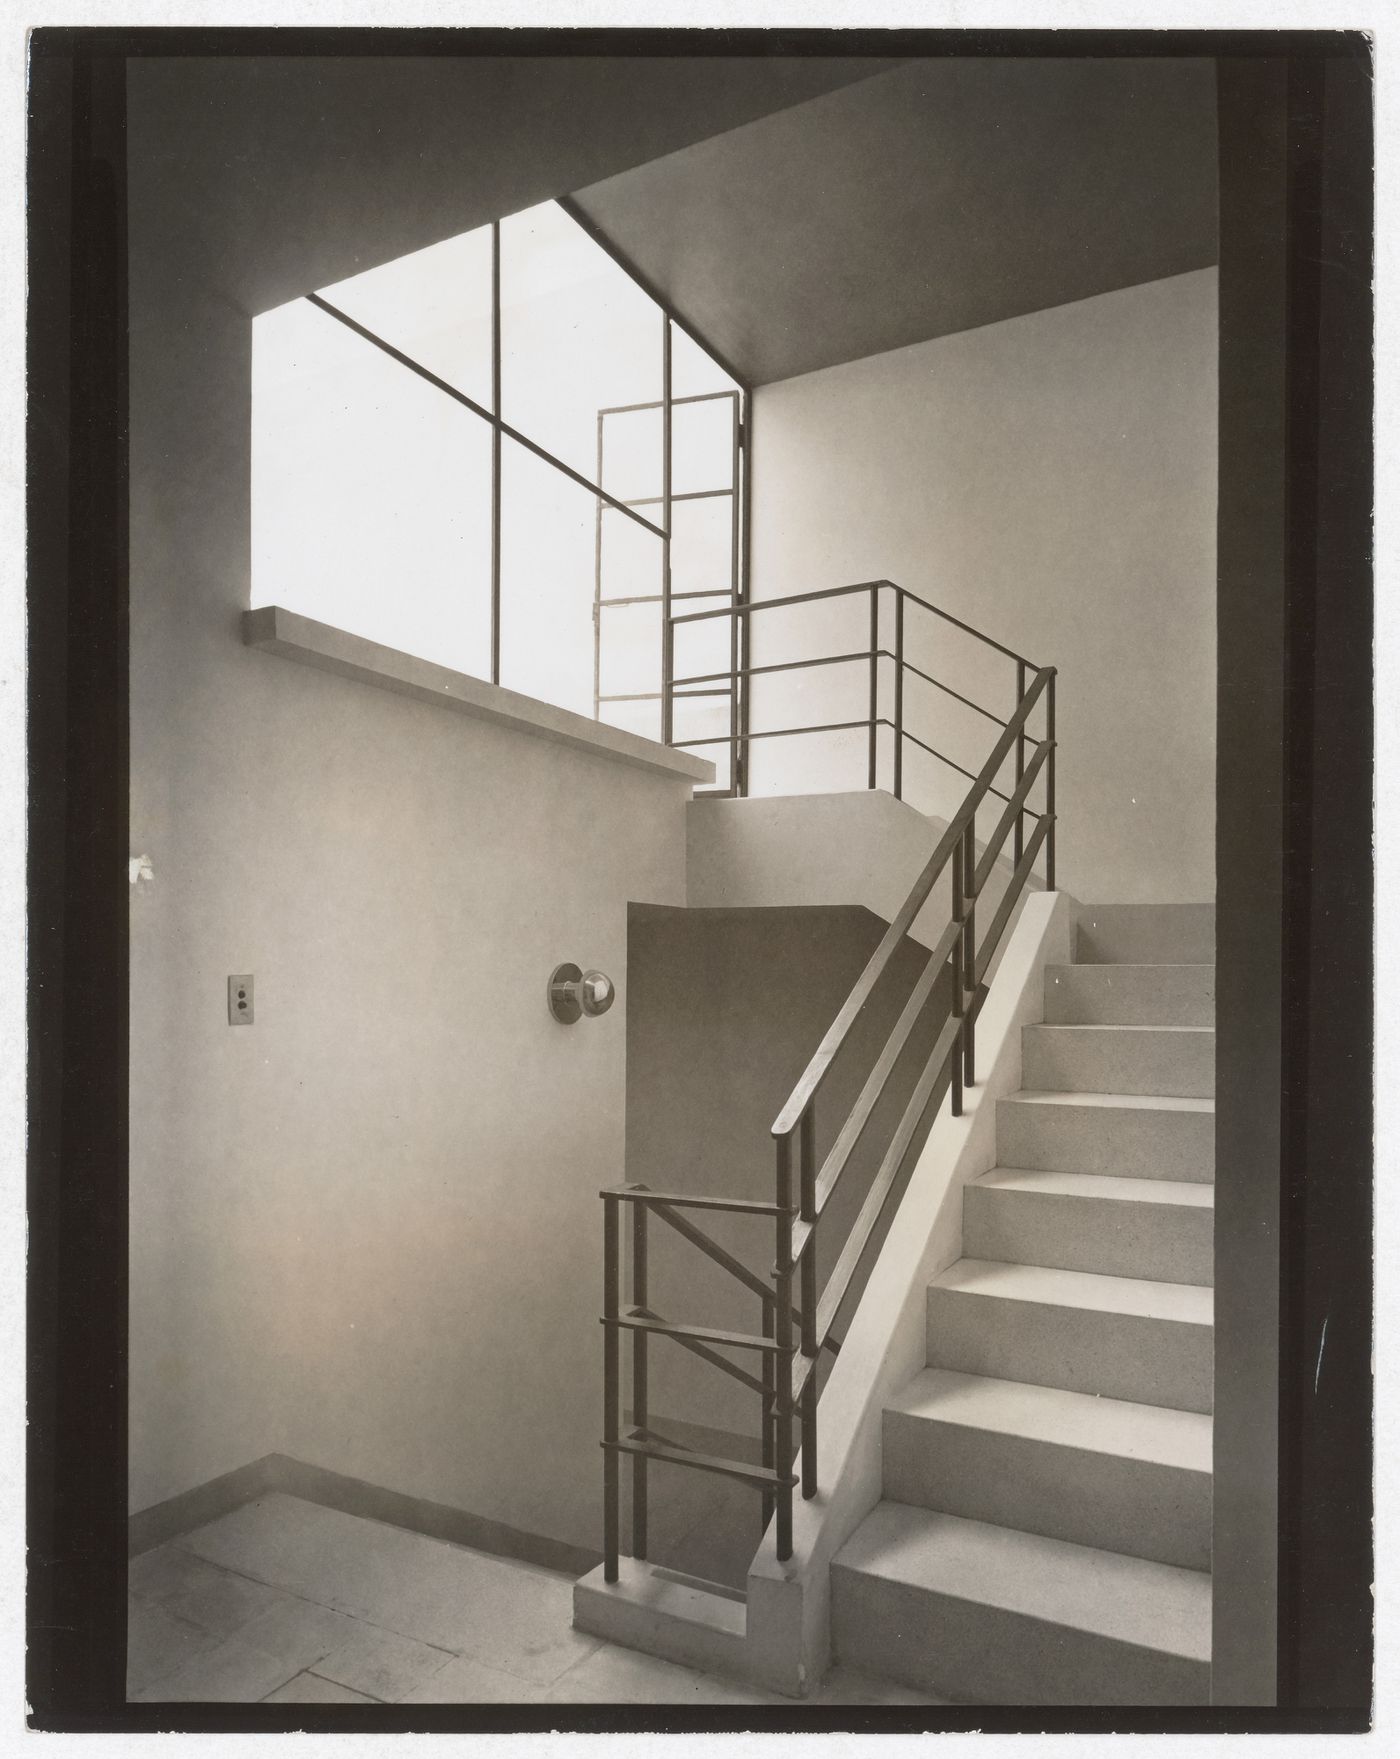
232 1672
298 1632
191 1588
382 1663
624 1676
310 1688
845 1685
157 1643
465 1681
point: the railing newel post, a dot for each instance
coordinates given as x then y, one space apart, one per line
782 1318
899 693
1050 786
769 1432
872 766
641 1411
955 968
1019 832
968 857
807 1188
611 1366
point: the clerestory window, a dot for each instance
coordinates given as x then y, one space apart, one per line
501 454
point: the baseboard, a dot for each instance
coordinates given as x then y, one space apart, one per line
206 1502
352 1496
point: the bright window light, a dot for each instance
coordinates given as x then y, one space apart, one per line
374 492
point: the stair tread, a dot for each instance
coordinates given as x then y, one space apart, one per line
1158 1102
1154 1606
1051 1414
1185 1303
1179 1192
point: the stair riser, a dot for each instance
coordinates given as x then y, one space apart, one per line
1130 995
1146 934
1117 1355
979 1654
1159 1242
1138 1507
1129 1143
1124 1060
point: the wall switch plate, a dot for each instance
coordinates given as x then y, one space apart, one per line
240 1001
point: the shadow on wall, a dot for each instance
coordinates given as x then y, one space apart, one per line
726 1007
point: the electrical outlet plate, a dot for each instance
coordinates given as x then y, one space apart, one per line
240 1000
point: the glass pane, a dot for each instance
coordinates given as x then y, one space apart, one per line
632 457
630 556
434 306
371 493
702 445
642 718
701 648
548 529
693 372
629 649
702 547
703 717
577 335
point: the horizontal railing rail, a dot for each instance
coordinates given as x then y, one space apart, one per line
797 1322
740 676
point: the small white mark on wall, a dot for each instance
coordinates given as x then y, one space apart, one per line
139 868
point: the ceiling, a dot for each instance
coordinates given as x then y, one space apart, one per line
940 195
269 175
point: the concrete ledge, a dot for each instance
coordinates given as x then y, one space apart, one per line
279 631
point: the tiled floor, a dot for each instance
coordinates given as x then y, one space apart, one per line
287 1602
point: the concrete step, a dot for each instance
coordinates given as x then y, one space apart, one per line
1175 1062
1158 1229
664 1614
1105 1472
1145 934
985 1615
1120 1337
1128 1136
1130 995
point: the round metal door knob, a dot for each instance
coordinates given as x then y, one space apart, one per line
574 993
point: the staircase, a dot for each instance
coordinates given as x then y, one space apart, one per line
1044 1536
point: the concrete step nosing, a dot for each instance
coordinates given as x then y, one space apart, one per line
1082 1631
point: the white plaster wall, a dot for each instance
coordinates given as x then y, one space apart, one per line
365 1230
1052 481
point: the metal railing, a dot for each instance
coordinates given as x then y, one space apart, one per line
796 1322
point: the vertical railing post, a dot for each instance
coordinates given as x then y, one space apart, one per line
611 1339
641 1415
807 1188
782 1319
735 538
899 693
1050 786
955 969
667 714
967 855
769 1419
874 678
1019 831
496 452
